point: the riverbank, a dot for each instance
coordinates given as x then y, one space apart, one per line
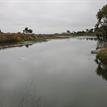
21 37
8 40
14 38
101 56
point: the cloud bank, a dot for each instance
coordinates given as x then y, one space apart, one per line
48 16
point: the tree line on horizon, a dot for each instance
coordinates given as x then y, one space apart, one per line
100 29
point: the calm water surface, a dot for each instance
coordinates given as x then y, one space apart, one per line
57 73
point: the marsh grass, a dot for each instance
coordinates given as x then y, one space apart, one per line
16 38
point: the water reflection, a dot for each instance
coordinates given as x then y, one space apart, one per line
6 46
59 73
102 71
102 68
27 45
88 38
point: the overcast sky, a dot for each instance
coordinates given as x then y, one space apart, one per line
48 16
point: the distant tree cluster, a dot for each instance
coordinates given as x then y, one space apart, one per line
27 31
87 32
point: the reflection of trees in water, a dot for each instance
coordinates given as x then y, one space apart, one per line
100 44
6 46
3 47
88 38
102 71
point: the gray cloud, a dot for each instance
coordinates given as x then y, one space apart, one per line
48 16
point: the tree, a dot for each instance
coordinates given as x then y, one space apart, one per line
27 31
101 26
0 31
30 30
68 31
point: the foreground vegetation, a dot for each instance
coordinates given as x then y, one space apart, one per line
102 55
101 32
101 60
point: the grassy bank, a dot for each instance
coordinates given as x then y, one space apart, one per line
15 38
102 56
